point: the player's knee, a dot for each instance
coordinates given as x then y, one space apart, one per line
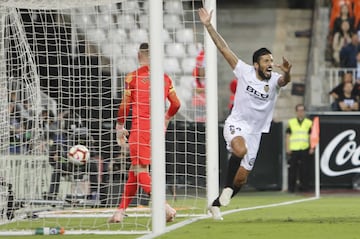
240 177
240 151
239 147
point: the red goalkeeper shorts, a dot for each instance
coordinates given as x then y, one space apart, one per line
140 148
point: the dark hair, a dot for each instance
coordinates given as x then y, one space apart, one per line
262 51
144 46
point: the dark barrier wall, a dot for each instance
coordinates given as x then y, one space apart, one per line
267 173
339 150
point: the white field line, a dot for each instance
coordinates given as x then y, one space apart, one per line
168 229
192 220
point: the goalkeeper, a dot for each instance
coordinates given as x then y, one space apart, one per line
254 101
137 96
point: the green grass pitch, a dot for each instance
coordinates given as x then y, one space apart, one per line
331 216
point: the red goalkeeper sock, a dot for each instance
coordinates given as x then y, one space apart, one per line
130 190
145 182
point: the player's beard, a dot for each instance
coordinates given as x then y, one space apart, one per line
263 76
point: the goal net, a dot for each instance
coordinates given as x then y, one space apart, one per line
63 65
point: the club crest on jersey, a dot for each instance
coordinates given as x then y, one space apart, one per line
266 88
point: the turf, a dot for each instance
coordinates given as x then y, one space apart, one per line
328 217
331 216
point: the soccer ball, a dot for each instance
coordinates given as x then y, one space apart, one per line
79 154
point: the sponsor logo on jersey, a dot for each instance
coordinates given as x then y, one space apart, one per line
256 93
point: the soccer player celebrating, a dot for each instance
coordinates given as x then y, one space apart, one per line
254 102
137 96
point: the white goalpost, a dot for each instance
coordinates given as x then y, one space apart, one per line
63 65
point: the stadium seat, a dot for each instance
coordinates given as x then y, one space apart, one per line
126 65
185 35
130 6
111 49
145 6
185 96
173 7
188 65
126 21
108 8
186 81
88 10
131 50
172 21
144 21
171 65
138 35
117 35
193 49
175 50
184 88
84 21
95 35
105 21
166 36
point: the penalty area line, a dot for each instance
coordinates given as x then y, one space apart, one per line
270 205
192 220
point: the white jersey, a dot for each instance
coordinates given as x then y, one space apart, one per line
254 99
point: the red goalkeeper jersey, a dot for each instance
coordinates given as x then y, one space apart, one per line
137 87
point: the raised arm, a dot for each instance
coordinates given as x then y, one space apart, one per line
220 43
285 67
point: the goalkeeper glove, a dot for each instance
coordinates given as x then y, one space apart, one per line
121 134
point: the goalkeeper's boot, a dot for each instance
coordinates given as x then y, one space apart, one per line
215 212
117 217
170 213
225 196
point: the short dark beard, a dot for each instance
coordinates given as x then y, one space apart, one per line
262 75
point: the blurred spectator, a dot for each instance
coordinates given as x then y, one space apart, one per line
19 135
29 112
341 38
348 53
338 91
344 16
337 11
356 90
49 129
16 129
199 99
357 76
348 101
232 87
49 123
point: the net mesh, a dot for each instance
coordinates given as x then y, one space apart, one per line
62 77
